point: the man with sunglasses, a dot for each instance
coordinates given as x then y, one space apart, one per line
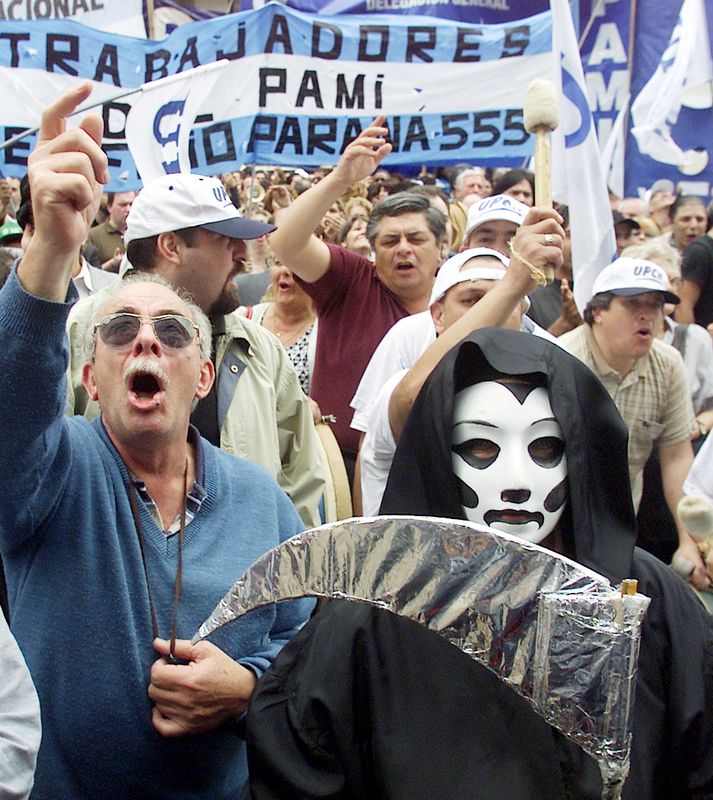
121 535
186 229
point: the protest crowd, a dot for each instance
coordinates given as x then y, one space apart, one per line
212 364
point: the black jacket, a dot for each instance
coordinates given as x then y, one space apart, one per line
672 751
365 705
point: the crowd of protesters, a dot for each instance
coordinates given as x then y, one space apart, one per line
335 297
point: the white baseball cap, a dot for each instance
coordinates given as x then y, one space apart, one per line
630 276
184 200
450 274
498 207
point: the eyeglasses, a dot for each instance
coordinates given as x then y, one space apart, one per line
172 330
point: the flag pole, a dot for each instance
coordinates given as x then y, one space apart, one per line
23 134
596 9
220 64
149 18
633 8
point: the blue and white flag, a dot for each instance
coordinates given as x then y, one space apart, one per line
577 175
159 124
613 152
685 65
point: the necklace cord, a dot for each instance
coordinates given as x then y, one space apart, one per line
178 584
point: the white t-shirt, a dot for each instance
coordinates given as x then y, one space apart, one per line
698 361
700 478
402 346
20 712
378 448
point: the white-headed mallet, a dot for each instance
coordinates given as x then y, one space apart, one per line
541 118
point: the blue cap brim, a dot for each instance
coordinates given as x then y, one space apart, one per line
239 228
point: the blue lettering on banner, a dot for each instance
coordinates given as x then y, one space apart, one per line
277 119
169 142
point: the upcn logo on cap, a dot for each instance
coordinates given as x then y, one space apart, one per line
499 201
646 270
630 276
499 207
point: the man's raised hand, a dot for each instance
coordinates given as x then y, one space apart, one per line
364 154
67 170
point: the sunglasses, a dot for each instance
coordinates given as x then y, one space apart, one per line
172 330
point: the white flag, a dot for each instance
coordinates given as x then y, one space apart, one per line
159 123
613 152
577 175
684 65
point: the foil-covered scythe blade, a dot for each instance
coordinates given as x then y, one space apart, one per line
556 632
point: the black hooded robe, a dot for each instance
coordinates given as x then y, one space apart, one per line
363 704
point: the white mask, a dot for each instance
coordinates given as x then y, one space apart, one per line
509 459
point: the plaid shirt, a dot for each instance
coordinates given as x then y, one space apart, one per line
195 497
653 398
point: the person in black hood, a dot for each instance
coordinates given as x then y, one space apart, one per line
366 704
422 481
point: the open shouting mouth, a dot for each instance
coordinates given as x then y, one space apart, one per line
146 382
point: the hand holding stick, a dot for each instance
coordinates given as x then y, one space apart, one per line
696 515
541 118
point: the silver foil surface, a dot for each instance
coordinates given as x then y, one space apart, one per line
557 633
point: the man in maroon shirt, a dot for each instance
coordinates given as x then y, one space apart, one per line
358 301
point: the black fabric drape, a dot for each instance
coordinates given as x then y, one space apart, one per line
366 704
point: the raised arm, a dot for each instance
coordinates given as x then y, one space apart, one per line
493 310
294 242
33 447
66 170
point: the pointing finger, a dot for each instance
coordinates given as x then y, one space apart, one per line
94 126
54 117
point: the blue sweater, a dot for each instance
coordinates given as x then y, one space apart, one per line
78 592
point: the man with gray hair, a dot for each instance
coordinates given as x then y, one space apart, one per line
358 301
468 181
121 534
185 228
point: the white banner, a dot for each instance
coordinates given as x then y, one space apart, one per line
114 16
301 86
